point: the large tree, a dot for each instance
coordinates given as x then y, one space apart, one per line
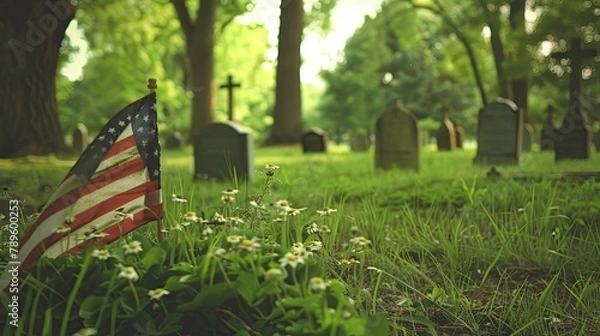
287 115
200 41
31 33
200 32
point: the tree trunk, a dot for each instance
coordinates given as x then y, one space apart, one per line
287 114
464 41
520 85
31 33
504 89
200 42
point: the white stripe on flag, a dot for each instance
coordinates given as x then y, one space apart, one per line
46 228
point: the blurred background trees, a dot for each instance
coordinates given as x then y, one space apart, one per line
426 53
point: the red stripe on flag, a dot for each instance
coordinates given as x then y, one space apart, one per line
102 208
121 146
72 196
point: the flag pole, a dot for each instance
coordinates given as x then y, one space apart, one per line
159 225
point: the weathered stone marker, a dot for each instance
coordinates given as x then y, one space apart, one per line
397 140
460 134
359 142
81 138
549 131
446 135
223 151
315 140
175 140
574 137
230 85
499 133
528 133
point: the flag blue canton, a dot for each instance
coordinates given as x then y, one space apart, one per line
141 115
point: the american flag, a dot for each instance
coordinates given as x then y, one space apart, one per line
111 190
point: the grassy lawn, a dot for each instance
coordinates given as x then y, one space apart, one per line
449 251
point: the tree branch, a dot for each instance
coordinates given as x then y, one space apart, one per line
184 18
463 39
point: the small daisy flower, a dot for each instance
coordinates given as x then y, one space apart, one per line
291 259
219 252
178 199
271 166
273 273
317 284
133 247
314 245
219 218
248 244
157 293
283 204
278 219
190 216
62 228
227 199
292 211
129 273
234 239
86 332
230 192
101 254
361 240
297 246
207 230
350 261
257 205
324 229
326 211
312 228
236 219
303 253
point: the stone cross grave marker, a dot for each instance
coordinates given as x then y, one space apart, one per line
460 134
397 139
446 134
528 134
315 140
499 133
549 130
223 151
230 85
574 137
81 138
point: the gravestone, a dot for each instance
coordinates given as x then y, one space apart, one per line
81 138
446 135
359 142
315 141
527 137
223 151
549 131
574 137
499 133
397 140
597 141
175 141
460 134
